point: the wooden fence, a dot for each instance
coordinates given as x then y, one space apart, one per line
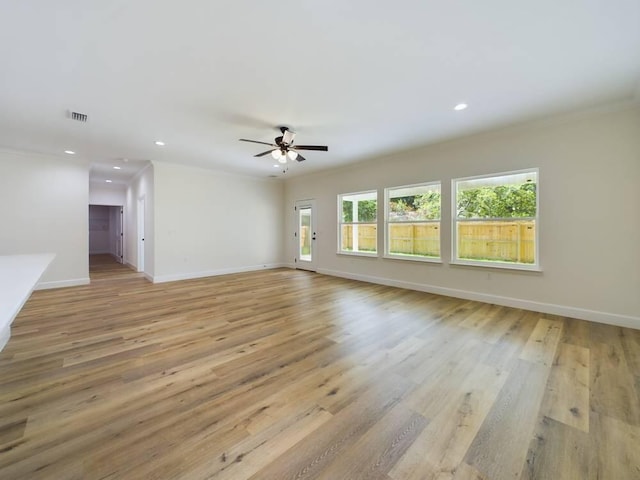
507 241
415 239
367 237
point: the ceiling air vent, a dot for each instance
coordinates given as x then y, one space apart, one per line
78 117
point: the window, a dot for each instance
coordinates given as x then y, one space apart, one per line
495 220
357 214
413 222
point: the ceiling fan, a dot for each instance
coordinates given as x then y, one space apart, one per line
284 148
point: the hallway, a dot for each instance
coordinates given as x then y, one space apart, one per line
104 267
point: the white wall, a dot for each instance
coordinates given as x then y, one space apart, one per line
105 194
43 207
209 223
142 186
589 221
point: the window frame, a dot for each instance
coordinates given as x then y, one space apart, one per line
536 267
341 223
387 222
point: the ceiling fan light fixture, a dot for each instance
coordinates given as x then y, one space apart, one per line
287 136
282 148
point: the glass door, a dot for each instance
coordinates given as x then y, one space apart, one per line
305 235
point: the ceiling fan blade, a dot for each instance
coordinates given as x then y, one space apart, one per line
300 158
322 148
255 141
263 153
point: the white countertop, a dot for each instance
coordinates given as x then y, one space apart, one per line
19 274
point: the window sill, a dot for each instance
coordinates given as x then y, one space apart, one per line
498 265
358 254
413 259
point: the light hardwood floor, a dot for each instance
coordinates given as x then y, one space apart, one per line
285 374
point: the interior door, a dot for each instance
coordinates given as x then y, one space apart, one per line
306 251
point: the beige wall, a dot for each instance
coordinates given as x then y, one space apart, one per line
44 209
589 221
210 223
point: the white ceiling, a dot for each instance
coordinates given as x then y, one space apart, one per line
363 77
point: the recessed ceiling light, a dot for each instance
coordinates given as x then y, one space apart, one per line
276 166
116 168
69 152
159 143
460 106
108 181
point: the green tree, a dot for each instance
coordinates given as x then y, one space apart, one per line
367 211
347 211
399 206
428 205
503 201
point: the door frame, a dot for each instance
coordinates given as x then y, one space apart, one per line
140 232
300 263
120 242
118 255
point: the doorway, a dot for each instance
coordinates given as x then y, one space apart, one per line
306 252
106 242
105 231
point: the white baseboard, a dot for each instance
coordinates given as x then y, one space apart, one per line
211 273
62 283
562 310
